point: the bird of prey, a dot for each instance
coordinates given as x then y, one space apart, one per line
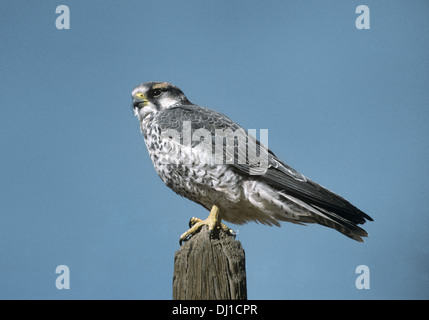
204 156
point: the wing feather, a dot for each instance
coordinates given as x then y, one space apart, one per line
276 174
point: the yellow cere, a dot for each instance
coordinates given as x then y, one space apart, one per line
141 95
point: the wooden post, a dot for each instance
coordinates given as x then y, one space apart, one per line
210 269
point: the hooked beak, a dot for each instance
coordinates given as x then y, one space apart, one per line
140 100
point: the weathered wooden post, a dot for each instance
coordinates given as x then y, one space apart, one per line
210 269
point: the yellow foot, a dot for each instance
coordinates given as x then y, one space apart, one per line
213 221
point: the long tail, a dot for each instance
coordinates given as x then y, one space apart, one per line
315 214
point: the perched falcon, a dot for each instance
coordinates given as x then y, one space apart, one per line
206 157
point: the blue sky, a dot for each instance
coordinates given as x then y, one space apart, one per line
348 108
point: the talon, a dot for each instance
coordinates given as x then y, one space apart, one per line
212 221
193 221
182 240
231 233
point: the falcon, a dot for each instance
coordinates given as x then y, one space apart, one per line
206 157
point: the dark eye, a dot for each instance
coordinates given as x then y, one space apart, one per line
156 92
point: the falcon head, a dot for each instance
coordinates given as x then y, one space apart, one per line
151 97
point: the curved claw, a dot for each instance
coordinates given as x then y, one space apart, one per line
181 241
193 221
231 233
213 221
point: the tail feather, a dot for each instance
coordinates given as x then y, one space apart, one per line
315 214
